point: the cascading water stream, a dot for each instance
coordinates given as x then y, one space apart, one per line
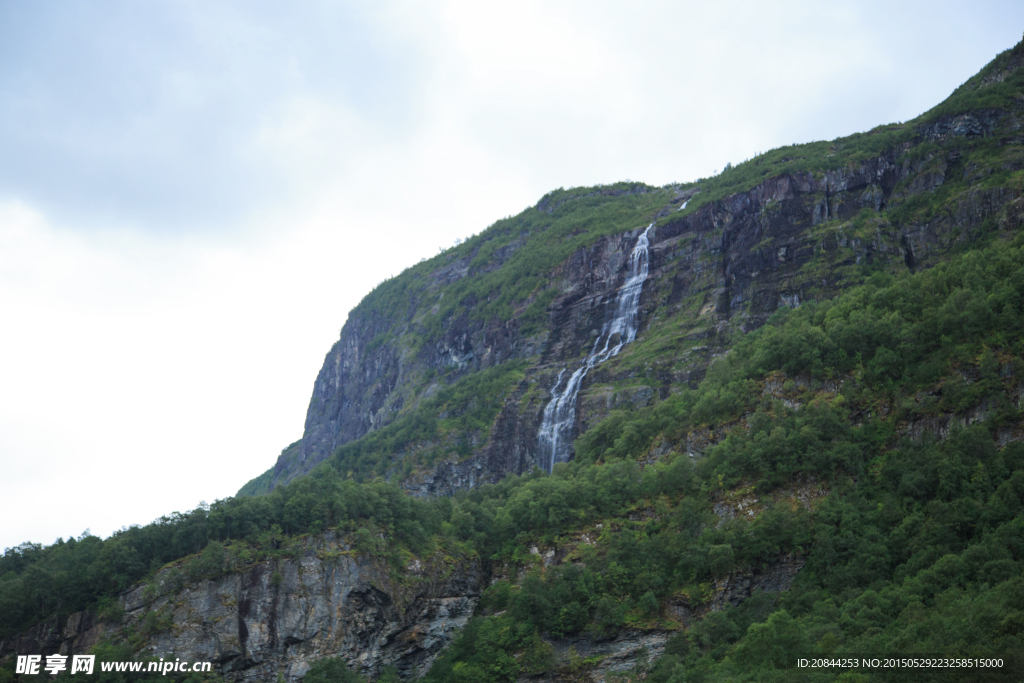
554 436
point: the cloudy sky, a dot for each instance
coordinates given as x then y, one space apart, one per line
194 194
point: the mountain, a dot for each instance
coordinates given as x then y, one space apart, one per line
402 393
689 433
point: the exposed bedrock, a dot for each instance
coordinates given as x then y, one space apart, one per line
281 615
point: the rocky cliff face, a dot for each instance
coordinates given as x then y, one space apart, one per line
280 615
350 395
716 271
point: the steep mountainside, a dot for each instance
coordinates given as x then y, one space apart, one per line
691 433
527 298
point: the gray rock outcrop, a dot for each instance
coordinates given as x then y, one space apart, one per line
280 615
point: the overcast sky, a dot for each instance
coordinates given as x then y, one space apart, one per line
194 194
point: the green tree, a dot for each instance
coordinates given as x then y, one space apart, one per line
331 670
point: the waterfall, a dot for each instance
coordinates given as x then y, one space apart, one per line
554 436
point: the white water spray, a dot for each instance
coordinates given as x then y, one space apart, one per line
554 436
